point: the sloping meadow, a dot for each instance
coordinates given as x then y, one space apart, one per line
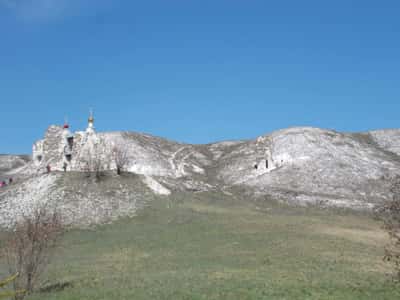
212 246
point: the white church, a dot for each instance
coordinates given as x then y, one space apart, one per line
61 150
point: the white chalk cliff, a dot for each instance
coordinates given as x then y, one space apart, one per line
298 165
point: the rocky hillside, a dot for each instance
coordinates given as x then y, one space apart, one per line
82 200
316 166
12 164
297 165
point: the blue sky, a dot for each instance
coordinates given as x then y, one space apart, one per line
197 71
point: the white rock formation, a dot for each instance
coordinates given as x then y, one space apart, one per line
156 186
300 165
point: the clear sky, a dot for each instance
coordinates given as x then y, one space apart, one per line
197 71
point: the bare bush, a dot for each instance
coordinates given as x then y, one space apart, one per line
390 214
94 165
120 157
95 159
29 247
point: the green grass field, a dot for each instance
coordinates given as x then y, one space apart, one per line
210 247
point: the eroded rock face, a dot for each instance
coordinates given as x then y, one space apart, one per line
147 155
81 201
388 140
319 166
12 163
298 165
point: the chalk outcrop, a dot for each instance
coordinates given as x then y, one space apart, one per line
300 165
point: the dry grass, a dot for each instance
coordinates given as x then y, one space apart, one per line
202 249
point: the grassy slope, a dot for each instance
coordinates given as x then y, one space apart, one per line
204 248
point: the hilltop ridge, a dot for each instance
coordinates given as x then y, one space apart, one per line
300 165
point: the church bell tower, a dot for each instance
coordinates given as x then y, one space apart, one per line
90 128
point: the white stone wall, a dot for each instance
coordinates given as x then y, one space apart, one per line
37 152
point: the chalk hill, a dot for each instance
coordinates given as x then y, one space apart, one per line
298 165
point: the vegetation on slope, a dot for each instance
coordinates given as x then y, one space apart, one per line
208 246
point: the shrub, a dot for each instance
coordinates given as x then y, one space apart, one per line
29 247
390 214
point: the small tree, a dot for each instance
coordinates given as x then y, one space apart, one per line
97 165
390 214
29 247
120 157
94 159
